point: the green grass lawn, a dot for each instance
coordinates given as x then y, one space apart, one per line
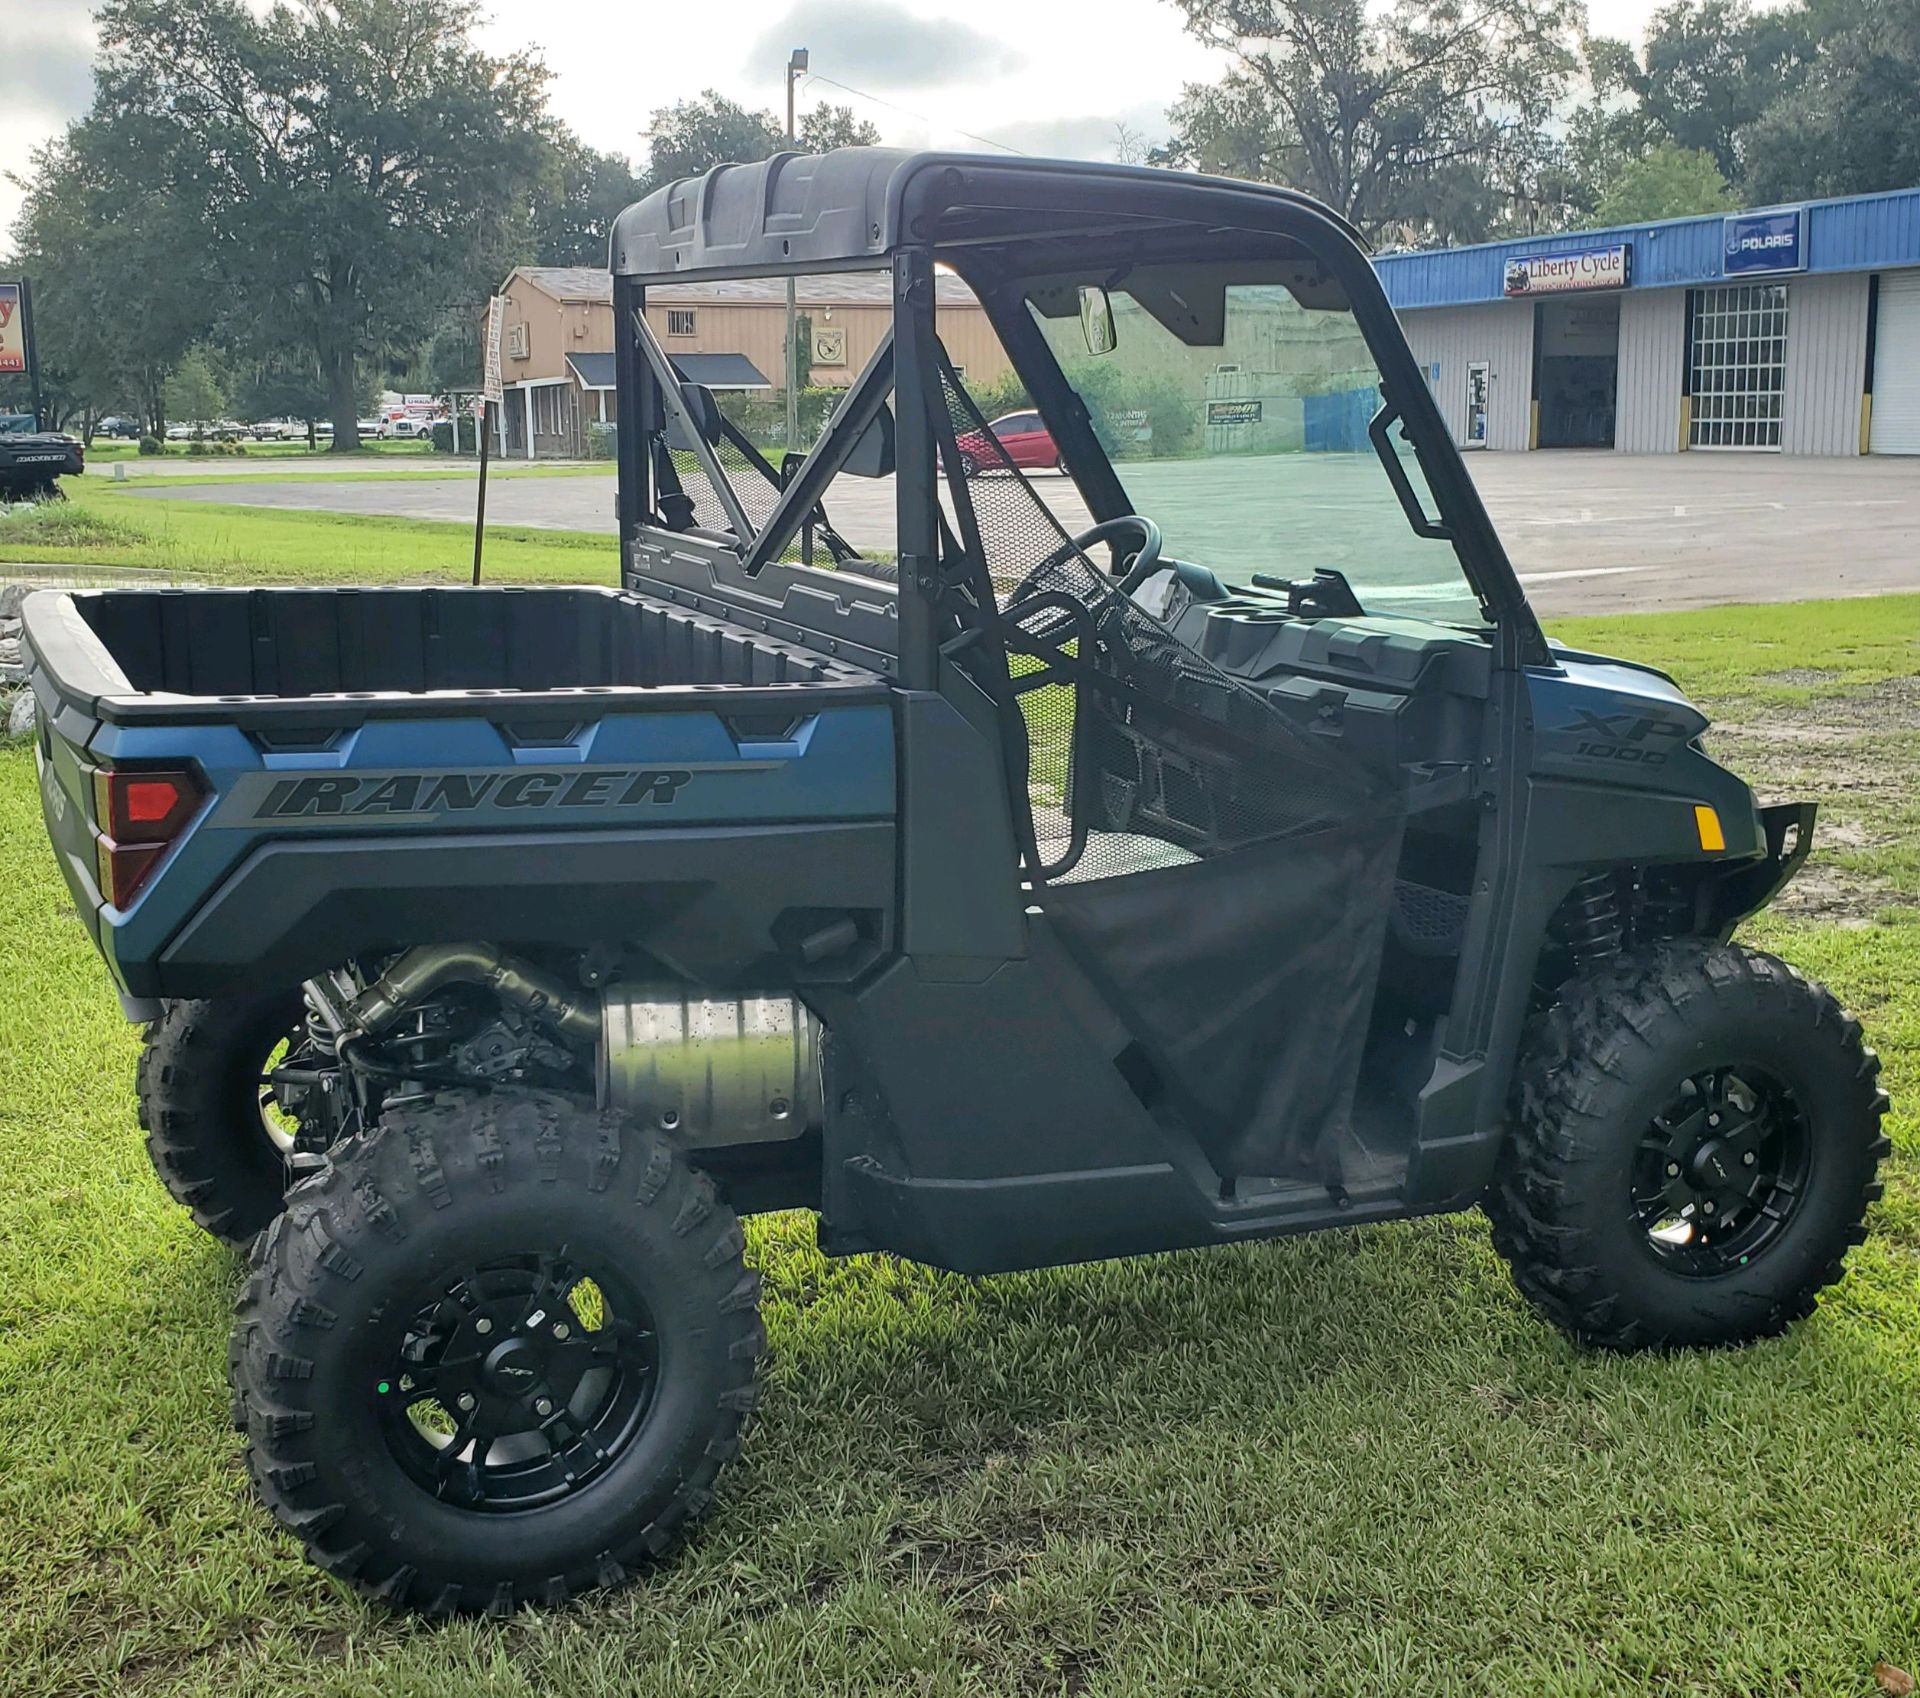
440 469
119 448
188 541
1348 1464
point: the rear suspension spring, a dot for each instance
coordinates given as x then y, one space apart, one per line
1591 920
321 1038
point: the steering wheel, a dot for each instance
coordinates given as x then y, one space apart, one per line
1144 562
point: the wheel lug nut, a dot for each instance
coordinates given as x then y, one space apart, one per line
1713 1120
467 1400
542 1406
1748 1159
483 1325
560 1329
1706 1208
1673 1170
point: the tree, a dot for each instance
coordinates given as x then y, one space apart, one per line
1667 181
1709 68
692 136
827 127
280 386
348 165
587 191
1424 119
1849 126
196 392
85 232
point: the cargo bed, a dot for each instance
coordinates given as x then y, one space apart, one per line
246 656
370 765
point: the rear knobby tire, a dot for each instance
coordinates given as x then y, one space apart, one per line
1618 1050
199 1091
331 1318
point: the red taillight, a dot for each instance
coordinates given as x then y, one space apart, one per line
140 811
135 805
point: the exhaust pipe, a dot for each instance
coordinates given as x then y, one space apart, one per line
420 972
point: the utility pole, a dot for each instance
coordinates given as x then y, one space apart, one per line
796 68
33 346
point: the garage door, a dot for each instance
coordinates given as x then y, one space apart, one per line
1896 366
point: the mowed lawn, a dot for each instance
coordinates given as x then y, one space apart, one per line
99 525
1348 1464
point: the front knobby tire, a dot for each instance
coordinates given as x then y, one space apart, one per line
1694 1146
495 1353
212 1134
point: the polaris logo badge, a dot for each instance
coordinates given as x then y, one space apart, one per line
463 792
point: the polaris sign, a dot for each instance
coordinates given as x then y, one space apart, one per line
1758 242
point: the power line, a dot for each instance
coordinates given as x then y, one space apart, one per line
907 111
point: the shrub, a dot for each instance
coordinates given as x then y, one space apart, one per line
152 445
440 436
197 448
761 415
1000 395
602 441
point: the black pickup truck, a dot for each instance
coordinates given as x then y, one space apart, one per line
31 458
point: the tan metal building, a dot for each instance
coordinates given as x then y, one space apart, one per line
557 342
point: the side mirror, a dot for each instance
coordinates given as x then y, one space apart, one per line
703 417
1096 319
872 455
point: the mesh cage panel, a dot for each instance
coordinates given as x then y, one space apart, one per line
753 487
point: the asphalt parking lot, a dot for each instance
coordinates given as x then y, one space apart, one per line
1588 532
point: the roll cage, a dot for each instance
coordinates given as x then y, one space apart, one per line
1000 226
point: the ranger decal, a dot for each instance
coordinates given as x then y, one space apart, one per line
377 798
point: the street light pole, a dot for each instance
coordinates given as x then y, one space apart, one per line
796 67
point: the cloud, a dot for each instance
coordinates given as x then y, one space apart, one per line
46 63
1086 136
874 42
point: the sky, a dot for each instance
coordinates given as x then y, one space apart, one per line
945 75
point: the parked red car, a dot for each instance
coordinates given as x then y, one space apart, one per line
1023 436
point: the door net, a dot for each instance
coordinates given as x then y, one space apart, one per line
1219 867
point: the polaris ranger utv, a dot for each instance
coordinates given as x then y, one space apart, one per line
1245 864
32 459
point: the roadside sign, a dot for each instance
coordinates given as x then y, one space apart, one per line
1233 412
13 329
491 386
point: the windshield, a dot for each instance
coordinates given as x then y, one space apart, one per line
1251 451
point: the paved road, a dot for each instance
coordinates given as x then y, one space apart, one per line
1589 532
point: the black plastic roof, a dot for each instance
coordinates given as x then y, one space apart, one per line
853 207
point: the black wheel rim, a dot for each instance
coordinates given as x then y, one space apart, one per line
518 1381
1721 1171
